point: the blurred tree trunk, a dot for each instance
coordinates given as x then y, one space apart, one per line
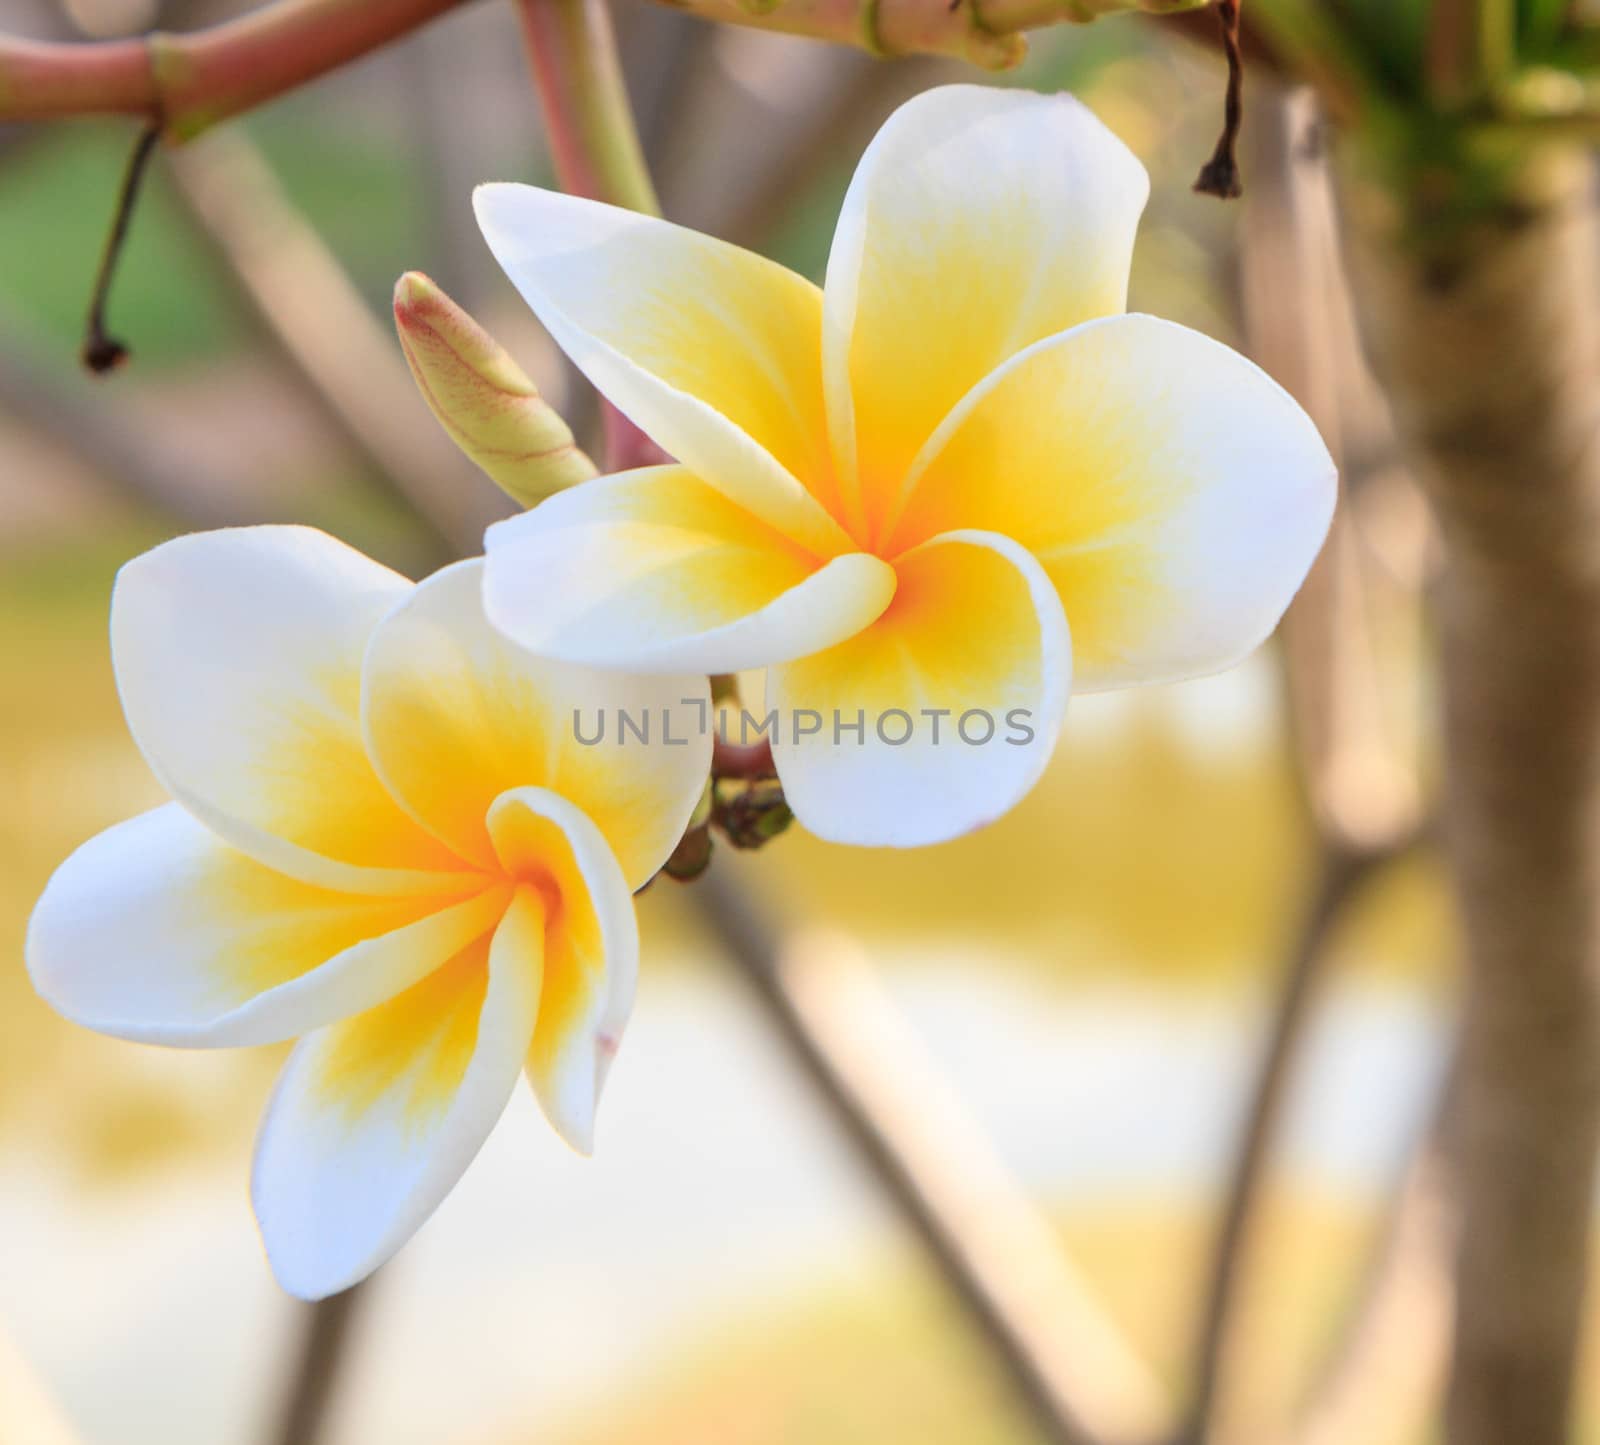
1481 297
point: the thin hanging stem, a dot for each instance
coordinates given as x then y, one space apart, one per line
1220 175
102 352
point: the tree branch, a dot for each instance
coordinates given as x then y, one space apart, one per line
594 142
324 1347
1357 793
1380 1378
348 357
1343 874
1470 45
990 1245
187 83
986 32
1511 455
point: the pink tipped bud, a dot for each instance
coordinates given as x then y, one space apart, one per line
483 398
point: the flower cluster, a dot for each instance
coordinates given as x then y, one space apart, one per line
949 483
956 476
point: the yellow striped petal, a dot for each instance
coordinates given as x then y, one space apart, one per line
655 570
978 221
713 351
375 1119
941 715
1175 494
238 658
158 931
591 952
455 715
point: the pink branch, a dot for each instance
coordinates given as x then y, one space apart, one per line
750 761
185 83
594 143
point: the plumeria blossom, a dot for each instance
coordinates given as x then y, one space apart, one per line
942 483
386 841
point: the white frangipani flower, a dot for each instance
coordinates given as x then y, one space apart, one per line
941 483
386 838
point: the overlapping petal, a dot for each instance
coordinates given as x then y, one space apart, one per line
654 569
958 689
455 715
977 222
238 658
374 1119
713 351
1175 493
591 951
157 931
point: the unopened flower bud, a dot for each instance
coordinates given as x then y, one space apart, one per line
486 402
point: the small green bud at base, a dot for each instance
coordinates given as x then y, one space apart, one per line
691 857
751 814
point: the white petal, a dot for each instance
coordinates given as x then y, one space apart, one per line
654 571
238 658
375 1119
1174 492
714 352
975 632
159 932
591 952
978 221
455 715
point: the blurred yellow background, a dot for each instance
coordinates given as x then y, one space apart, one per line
1092 973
